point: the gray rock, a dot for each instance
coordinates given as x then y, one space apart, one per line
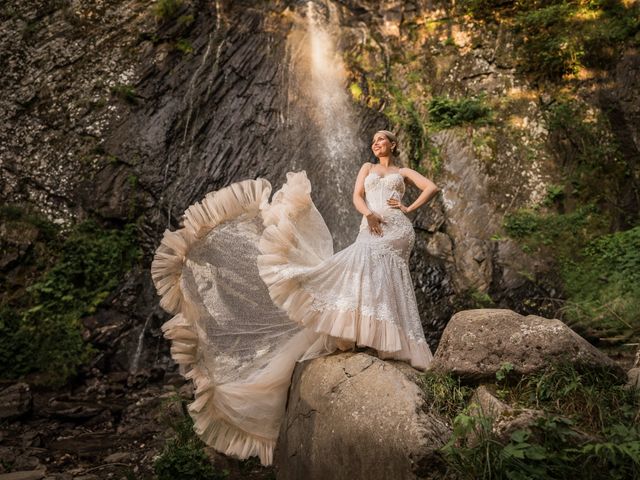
506 418
439 246
516 267
514 419
15 401
24 475
485 403
477 342
633 378
119 457
355 416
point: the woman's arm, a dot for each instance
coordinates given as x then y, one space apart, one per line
358 190
374 220
429 189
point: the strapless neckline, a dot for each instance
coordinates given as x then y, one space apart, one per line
385 176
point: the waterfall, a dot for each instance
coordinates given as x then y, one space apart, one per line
318 96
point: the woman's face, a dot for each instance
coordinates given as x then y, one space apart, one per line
381 146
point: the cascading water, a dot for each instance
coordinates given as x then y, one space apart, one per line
318 97
133 366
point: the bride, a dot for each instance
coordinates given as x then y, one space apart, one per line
254 287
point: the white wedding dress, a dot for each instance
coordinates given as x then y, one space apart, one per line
254 287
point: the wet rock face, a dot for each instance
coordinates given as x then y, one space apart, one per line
361 416
60 64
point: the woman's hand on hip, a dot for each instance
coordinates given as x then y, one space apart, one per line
395 203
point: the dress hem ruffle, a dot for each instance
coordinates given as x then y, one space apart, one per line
248 196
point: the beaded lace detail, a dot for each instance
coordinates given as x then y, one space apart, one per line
385 288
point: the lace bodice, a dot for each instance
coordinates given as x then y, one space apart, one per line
398 235
378 189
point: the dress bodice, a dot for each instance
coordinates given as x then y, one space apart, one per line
378 189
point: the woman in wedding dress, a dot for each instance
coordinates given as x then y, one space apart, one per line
255 287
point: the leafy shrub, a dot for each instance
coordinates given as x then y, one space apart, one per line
590 426
551 448
40 328
603 286
445 112
557 37
595 168
600 272
183 456
593 396
555 193
184 46
167 9
445 393
403 112
186 461
567 233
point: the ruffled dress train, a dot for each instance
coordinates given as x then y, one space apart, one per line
254 287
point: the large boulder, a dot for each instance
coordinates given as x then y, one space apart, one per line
354 416
476 343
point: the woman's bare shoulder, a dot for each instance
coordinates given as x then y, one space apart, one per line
406 172
409 173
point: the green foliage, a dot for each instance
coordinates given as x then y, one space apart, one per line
558 37
126 93
446 112
403 113
595 168
548 48
186 20
167 9
184 46
481 299
565 232
561 37
504 371
186 462
445 393
356 91
590 425
183 456
598 269
595 397
603 286
40 328
599 272
555 193
398 101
